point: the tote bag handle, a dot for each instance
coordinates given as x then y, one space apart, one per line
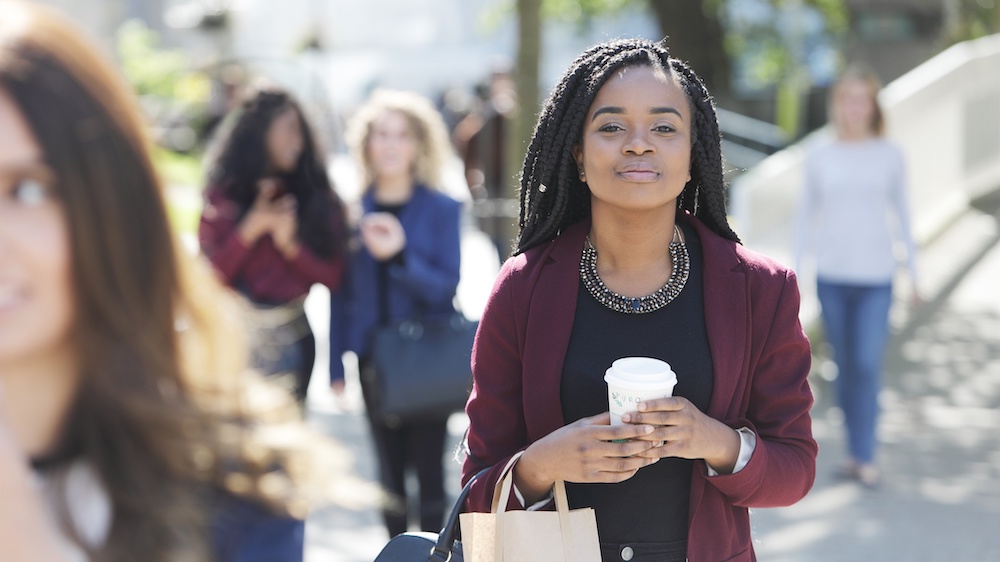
501 497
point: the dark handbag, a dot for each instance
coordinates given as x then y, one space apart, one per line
420 369
430 547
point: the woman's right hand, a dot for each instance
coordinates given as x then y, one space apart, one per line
383 235
583 451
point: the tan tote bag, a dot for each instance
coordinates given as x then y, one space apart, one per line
530 536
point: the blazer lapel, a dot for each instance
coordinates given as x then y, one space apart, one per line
727 310
551 312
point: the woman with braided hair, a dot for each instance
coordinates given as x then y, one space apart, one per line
625 250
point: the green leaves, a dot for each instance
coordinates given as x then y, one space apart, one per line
171 93
149 69
582 11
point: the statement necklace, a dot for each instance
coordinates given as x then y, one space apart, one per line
637 305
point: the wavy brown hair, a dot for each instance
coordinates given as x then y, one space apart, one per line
165 413
433 144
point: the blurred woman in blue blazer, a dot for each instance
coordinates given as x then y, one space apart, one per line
406 263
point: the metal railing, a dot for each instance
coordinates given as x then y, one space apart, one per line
747 141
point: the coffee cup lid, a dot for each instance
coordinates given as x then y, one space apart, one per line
640 372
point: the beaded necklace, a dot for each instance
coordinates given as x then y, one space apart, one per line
637 305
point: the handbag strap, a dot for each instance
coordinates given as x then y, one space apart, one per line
446 538
412 327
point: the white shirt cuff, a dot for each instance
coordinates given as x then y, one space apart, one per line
748 442
535 506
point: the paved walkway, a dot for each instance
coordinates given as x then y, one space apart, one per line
939 438
939 432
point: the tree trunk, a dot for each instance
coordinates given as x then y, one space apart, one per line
526 80
694 35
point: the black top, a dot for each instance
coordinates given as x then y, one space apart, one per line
382 272
60 458
652 506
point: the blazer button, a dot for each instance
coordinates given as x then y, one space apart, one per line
627 553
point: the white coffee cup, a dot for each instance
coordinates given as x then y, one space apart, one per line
634 379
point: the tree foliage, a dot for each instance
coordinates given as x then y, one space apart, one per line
583 12
171 93
972 19
702 33
154 71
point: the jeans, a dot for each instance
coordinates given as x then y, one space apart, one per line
856 320
295 358
645 552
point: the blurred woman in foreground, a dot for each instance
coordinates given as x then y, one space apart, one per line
129 429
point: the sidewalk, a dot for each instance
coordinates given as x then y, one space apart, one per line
939 439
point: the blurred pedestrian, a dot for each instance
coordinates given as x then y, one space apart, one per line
481 140
227 85
407 263
853 210
129 429
273 227
625 250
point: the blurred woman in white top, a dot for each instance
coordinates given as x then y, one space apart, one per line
852 217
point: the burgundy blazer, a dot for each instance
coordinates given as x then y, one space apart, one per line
760 354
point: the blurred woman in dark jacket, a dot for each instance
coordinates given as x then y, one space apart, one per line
273 227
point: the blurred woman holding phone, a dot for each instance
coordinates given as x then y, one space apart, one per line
273 227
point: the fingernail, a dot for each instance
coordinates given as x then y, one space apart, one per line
626 418
648 429
642 406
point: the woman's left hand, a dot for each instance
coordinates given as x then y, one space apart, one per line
687 433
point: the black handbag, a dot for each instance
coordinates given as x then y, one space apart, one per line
420 369
430 547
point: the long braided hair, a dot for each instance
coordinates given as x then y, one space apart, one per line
552 195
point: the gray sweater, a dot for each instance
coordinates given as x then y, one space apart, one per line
853 216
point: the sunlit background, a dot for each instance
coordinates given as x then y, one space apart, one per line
769 64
